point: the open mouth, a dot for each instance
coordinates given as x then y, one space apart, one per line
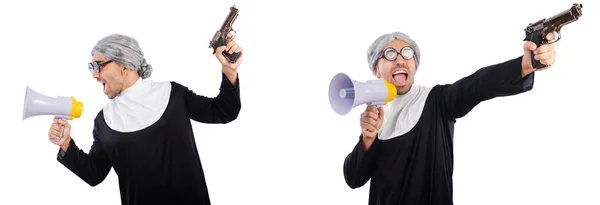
104 87
400 77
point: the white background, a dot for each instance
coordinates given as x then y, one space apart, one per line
288 146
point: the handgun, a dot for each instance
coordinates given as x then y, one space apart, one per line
221 35
537 32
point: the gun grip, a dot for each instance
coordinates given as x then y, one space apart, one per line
536 63
537 39
229 57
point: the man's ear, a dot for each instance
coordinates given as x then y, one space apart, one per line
376 72
123 70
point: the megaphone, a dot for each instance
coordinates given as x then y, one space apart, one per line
345 93
61 107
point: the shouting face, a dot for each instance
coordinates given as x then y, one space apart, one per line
397 65
109 74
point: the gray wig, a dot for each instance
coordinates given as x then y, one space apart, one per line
125 51
376 49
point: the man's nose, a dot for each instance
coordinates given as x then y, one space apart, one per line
400 60
95 75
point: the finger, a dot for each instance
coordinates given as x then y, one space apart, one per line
238 50
56 127
229 45
364 114
552 36
62 141
219 53
55 141
232 49
54 138
372 115
372 109
367 127
220 49
369 120
56 133
544 49
229 36
63 122
543 56
380 117
529 46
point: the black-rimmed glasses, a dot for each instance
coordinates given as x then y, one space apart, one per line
96 65
391 54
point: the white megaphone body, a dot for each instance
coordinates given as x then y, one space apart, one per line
61 107
345 93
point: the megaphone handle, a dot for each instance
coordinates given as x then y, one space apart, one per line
62 130
376 104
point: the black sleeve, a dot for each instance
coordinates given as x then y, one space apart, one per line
358 165
92 168
221 109
499 80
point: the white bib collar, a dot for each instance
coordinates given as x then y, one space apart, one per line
403 113
138 106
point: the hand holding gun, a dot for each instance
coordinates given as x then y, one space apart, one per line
537 32
220 38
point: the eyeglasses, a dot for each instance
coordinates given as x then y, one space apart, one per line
391 54
96 65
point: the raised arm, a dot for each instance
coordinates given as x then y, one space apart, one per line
92 168
503 79
221 109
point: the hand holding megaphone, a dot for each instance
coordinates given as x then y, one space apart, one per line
60 133
64 108
370 121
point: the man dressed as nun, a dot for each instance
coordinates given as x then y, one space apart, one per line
144 131
405 147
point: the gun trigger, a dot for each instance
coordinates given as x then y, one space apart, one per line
233 35
556 38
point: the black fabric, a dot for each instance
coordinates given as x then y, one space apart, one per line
158 164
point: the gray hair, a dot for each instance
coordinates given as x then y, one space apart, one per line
376 49
125 51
